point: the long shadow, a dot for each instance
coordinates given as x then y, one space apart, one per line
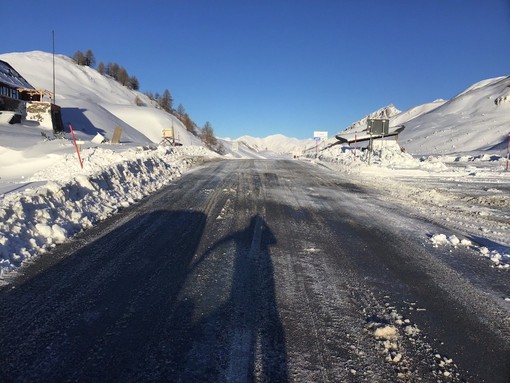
80 121
253 346
257 342
489 244
90 316
139 304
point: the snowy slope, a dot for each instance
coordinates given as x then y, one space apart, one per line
409 114
94 103
384 113
475 121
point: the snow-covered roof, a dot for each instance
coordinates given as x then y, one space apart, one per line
12 78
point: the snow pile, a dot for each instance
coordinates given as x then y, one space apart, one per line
452 240
385 154
33 221
500 260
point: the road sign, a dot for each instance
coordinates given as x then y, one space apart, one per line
320 135
378 126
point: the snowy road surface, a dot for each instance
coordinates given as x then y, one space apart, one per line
257 270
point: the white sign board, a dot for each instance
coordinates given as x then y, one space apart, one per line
320 135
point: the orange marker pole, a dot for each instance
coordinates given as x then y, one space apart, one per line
76 145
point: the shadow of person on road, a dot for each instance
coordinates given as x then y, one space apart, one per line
242 339
144 302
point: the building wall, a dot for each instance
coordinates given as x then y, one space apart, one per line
40 112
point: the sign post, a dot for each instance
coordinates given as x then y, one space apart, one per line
355 144
319 136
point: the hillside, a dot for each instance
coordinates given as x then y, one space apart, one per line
94 103
475 121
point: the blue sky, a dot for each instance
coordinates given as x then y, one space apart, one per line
268 66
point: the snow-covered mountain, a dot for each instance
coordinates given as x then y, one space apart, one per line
276 143
384 113
475 121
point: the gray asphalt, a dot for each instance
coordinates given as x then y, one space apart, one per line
256 270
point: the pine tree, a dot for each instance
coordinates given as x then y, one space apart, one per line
180 110
166 101
90 59
133 83
112 69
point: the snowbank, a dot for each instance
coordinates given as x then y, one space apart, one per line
66 201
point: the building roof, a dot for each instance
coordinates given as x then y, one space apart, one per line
12 78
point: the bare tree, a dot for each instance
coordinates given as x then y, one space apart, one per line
101 67
79 58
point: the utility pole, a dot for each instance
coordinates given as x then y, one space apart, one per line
53 42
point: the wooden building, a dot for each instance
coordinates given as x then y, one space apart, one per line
20 100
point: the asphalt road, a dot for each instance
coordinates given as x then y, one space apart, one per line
257 270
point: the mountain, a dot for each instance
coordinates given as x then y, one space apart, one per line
276 143
384 113
477 120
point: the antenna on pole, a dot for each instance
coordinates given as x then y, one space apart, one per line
53 41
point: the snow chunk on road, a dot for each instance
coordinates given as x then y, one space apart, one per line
387 332
500 260
453 240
